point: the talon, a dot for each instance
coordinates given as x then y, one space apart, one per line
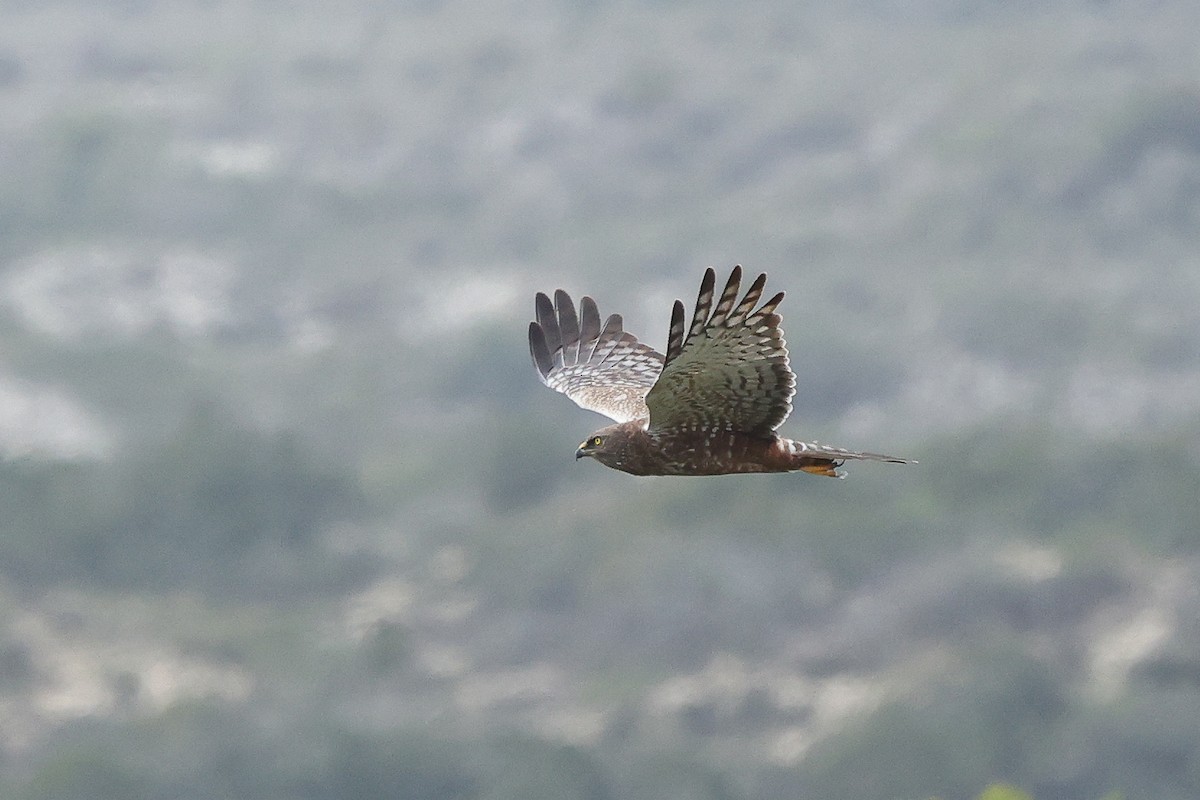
828 468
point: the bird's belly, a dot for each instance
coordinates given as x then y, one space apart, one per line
720 453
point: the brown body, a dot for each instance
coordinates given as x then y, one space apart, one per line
631 447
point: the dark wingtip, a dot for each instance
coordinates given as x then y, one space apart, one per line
568 325
769 307
676 332
539 350
589 324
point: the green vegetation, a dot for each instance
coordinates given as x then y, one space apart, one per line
286 514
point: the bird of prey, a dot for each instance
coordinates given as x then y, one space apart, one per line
710 406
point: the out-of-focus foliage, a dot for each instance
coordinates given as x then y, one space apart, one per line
1002 791
216 507
287 514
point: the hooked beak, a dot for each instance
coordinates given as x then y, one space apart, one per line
580 453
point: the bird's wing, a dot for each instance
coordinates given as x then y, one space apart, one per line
602 368
729 370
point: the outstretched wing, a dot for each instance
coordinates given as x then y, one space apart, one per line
601 368
730 371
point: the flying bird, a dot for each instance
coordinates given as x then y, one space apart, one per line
710 406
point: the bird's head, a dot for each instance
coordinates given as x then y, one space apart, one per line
612 445
590 446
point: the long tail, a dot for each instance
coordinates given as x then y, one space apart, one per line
821 459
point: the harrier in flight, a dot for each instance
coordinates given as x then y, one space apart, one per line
710 406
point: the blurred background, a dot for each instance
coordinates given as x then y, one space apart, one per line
287 514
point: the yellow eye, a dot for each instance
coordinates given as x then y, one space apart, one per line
597 441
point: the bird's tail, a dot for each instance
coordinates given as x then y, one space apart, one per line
821 459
